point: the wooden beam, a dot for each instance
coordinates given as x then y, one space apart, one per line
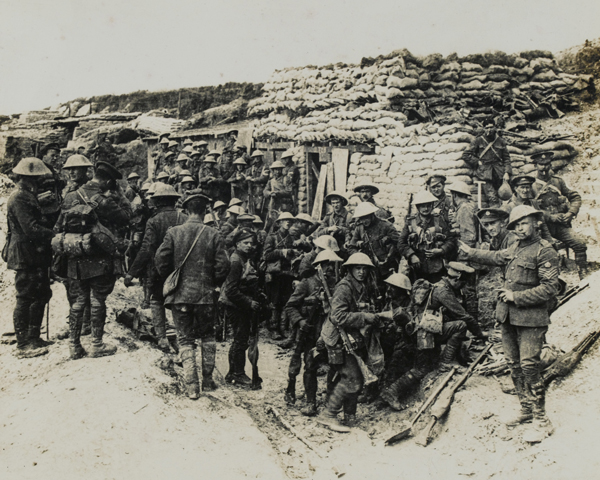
339 159
320 194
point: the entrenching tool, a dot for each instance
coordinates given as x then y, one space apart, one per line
339 472
407 431
442 405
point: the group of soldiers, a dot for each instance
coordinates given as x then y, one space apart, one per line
220 243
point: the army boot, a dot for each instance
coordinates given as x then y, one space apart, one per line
525 415
29 351
290 391
310 389
36 318
190 373
209 353
329 416
541 426
276 333
396 390
159 322
99 348
448 356
86 327
76 351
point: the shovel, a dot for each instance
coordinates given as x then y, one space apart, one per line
407 432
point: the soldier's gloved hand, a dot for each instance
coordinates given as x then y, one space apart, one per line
415 261
128 280
254 305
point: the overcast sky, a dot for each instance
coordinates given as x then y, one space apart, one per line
52 51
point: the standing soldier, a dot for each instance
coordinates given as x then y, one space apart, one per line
530 290
443 205
133 186
278 191
182 160
27 251
238 181
488 156
159 155
426 239
199 253
210 180
352 309
77 167
560 205
291 175
307 311
50 187
278 254
241 297
337 222
366 193
375 237
494 221
258 176
93 274
166 216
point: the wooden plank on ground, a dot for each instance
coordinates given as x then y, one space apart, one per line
339 158
320 193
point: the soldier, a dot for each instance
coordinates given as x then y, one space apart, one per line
182 160
28 252
50 187
560 205
93 274
494 221
278 254
522 186
241 296
102 150
291 175
323 242
426 239
244 222
337 222
232 222
366 193
193 301
238 181
219 210
133 186
159 155
195 163
307 311
443 205
352 309
530 290
488 156
77 167
173 147
210 180
377 238
166 216
258 175
278 192
225 166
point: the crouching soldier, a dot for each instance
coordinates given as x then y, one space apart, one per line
27 251
352 309
306 309
198 252
530 289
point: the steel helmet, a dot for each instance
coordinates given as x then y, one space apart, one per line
235 201
77 161
373 188
339 195
188 179
164 140
188 149
460 187
165 190
31 167
305 217
257 153
521 212
209 159
185 173
182 158
287 154
219 204
258 220
152 189
187 141
173 143
357 259
162 175
327 242
169 154
145 187
133 175
213 153
327 256
424 196
240 161
208 218
285 216
399 280
364 208
277 164
236 210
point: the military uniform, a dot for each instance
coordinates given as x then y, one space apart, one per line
490 161
259 176
443 206
515 201
337 225
425 233
211 183
28 252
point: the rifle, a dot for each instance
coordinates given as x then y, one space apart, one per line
570 293
567 362
251 206
407 431
347 340
442 404
253 352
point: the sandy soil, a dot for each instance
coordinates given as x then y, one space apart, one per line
125 417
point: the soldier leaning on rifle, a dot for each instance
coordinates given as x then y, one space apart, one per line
242 298
27 251
193 301
307 309
376 238
530 289
426 239
488 156
92 275
166 216
352 309
560 205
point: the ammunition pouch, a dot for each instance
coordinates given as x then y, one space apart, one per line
335 355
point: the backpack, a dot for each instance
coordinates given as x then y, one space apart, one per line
79 219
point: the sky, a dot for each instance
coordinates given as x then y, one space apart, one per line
58 50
